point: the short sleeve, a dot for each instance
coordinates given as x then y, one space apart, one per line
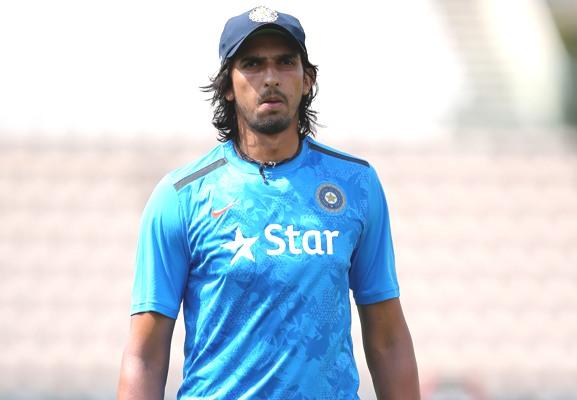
372 276
162 258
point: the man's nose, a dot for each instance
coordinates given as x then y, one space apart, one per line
271 77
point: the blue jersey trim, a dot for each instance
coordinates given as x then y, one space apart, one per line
336 154
362 299
156 307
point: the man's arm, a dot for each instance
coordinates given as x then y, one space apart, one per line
389 351
146 357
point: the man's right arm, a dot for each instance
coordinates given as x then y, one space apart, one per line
146 357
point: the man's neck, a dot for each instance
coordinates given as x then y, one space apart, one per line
269 148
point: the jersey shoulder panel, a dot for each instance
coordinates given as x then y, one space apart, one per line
197 169
336 154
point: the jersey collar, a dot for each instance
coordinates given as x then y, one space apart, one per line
251 167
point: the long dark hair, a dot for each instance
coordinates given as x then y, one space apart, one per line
224 118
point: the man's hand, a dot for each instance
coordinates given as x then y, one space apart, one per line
389 351
146 357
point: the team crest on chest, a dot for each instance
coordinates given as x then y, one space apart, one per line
330 198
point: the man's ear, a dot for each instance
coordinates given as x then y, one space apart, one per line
229 95
308 81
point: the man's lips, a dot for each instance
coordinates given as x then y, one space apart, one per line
272 100
272 97
272 104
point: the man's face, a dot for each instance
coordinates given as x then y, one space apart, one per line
268 83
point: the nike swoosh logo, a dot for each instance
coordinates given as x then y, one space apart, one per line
218 213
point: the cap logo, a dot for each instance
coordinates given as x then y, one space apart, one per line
263 14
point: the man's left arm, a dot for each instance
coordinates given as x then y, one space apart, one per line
389 351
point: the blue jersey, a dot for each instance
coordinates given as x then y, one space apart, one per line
263 266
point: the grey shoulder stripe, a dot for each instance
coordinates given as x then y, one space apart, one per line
199 174
338 155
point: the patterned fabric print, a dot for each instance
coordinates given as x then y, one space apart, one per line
266 281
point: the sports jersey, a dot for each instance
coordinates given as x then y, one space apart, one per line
262 261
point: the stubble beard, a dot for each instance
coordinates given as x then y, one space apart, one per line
269 125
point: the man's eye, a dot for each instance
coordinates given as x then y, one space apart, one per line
288 61
250 64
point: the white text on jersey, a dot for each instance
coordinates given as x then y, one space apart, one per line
319 246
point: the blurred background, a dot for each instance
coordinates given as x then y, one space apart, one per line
467 109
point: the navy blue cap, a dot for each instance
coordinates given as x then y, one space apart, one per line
238 28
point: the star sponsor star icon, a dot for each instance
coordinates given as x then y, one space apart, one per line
241 246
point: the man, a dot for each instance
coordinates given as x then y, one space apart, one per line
261 240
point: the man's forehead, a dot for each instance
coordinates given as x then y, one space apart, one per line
268 43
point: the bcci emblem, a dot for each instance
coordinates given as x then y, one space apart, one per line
330 197
263 14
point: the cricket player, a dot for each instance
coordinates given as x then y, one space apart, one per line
260 241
